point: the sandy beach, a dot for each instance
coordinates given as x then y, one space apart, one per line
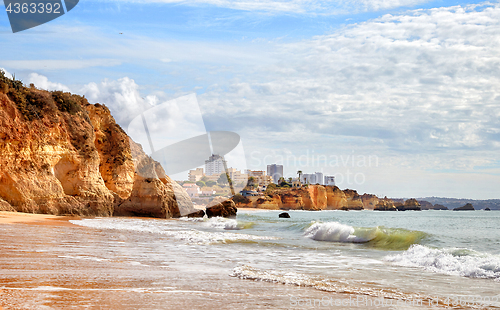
35 219
48 262
7 217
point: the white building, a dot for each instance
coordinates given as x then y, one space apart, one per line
214 165
193 190
275 171
237 177
195 175
308 178
260 177
319 178
207 192
329 180
312 178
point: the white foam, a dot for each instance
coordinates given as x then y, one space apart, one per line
172 229
333 232
191 219
319 283
222 223
453 261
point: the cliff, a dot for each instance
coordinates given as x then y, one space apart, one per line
61 155
312 197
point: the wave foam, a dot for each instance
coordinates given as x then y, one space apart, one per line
222 223
169 229
329 285
454 261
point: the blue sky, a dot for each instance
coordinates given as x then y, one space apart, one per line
412 83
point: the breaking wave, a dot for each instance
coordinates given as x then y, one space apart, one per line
378 237
451 261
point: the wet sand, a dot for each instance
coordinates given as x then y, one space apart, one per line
35 219
49 263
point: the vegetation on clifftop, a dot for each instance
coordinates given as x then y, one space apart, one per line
34 103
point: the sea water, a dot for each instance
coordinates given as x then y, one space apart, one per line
392 260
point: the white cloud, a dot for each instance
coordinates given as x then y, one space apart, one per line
423 83
121 96
7 73
420 90
43 82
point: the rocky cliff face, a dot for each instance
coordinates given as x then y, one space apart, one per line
61 155
369 201
312 197
335 198
354 201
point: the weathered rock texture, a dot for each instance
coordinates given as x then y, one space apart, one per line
411 205
369 201
224 209
199 213
61 155
385 205
311 197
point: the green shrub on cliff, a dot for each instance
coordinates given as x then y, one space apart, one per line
33 103
66 102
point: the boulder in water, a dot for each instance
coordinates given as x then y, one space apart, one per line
284 215
223 209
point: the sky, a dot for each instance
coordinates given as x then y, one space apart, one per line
398 98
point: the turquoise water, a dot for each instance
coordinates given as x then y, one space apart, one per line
478 230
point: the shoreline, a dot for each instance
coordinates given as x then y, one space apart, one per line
8 217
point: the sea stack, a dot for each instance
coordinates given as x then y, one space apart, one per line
467 207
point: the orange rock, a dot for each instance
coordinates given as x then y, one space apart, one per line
61 155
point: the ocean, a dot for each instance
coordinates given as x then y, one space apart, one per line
313 260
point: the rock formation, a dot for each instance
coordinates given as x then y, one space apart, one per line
61 155
354 201
425 205
439 207
311 197
335 198
5 206
412 205
284 215
385 205
199 213
369 201
224 209
467 207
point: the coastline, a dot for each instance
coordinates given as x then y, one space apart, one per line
8 217
53 263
